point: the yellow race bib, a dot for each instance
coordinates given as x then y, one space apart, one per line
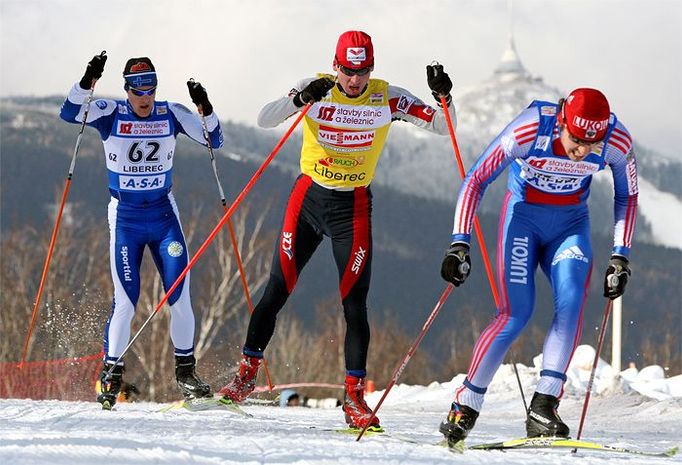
343 137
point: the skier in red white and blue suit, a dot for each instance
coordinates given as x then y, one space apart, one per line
139 136
553 151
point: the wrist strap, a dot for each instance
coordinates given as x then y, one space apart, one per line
448 99
297 100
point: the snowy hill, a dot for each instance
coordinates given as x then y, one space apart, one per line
75 433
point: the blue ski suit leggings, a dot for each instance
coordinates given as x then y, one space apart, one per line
557 238
133 227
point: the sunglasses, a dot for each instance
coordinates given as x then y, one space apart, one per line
140 93
353 72
578 141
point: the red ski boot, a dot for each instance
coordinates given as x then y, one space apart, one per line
244 382
354 405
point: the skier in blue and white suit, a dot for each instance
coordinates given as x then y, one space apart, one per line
552 151
139 136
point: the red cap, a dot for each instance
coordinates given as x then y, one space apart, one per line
586 114
354 50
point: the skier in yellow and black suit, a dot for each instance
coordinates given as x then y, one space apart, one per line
343 136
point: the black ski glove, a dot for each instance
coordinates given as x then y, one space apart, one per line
616 277
456 264
199 97
93 71
439 82
313 92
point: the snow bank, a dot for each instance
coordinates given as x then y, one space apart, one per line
649 381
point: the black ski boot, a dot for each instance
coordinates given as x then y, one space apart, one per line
110 385
543 418
189 383
456 426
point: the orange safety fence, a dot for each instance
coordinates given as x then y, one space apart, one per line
65 379
278 387
369 386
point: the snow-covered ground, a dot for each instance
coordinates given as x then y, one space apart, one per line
622 412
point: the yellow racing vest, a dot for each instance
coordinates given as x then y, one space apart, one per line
343 137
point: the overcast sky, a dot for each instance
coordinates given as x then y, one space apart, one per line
249 52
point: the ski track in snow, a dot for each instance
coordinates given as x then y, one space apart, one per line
57 432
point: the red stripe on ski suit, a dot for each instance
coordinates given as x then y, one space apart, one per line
287 242
357 258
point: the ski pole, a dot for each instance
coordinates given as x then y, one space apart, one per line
588 393
233 239
213 233
401 366
518 380
479 233
477 226
55 231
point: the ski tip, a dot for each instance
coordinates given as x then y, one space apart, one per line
224 400
106 405
456 446
168 408
232 406
453 446
354 430
199 404
672 451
